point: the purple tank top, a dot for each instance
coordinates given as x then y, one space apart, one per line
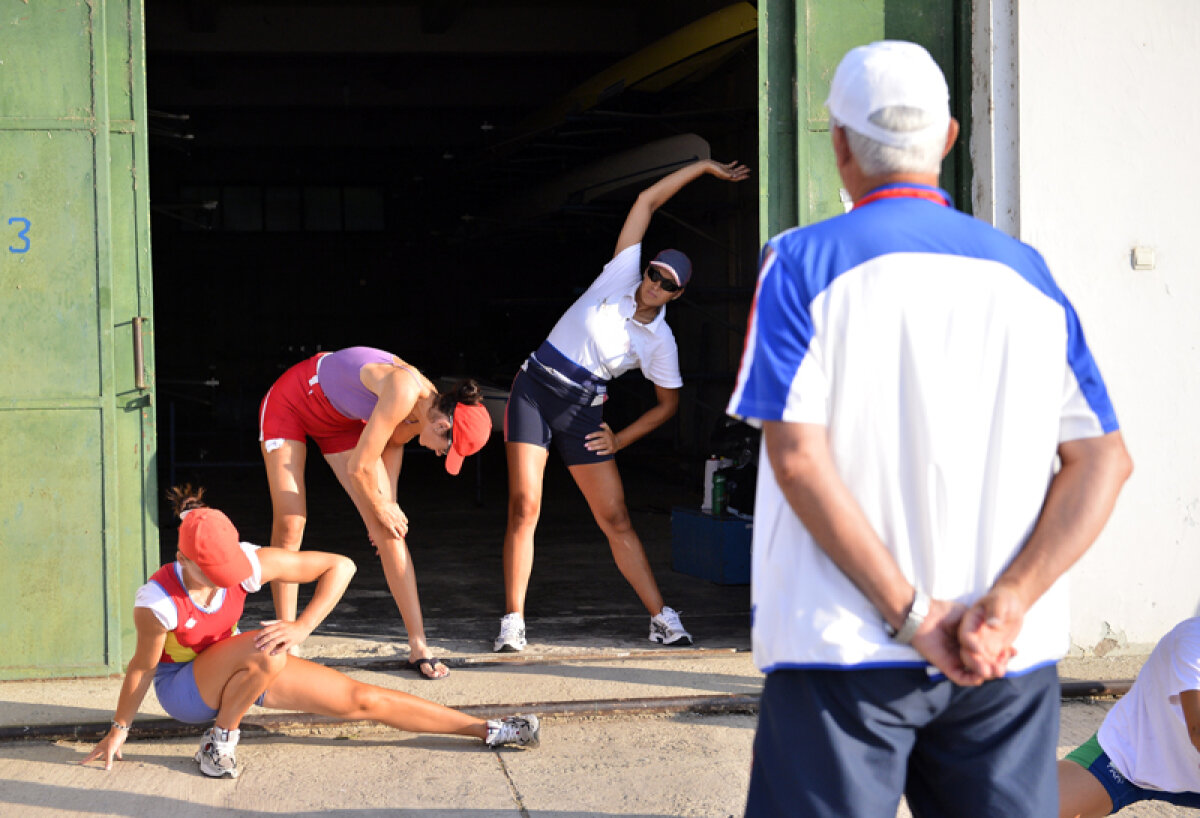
338 372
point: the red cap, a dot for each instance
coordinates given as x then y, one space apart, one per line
472 427
208 538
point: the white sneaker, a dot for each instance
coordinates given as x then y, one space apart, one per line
667 629
217 753
525 731
512 634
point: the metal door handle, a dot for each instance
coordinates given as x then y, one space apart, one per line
139 359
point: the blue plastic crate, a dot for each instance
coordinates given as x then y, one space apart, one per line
712 548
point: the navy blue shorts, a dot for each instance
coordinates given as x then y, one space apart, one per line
543 407
847 743
1121 791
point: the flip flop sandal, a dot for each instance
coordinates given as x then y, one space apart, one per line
415 666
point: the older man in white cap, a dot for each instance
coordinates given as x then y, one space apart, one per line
918 375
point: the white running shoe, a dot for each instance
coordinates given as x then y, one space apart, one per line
525 731
217 753
667 629
512 634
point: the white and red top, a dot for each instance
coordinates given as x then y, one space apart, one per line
192 627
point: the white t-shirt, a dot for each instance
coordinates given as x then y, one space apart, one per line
1145 734
599 332
152 596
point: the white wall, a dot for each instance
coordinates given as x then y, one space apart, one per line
1104 101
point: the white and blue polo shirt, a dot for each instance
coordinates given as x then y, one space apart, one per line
947 366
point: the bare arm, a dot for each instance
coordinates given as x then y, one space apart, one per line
139 675
393 459
1078 504
398 394
659 193
1189 700
606 441
803 465
331 572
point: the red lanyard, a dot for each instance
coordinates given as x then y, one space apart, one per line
904 193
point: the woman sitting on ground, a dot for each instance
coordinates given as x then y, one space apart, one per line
1148 747
204 670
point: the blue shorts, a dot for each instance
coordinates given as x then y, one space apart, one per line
839 743
543 407
1091 756
175 687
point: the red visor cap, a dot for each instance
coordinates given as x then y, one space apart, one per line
472 427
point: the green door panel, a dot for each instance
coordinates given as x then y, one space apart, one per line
77 427
801 42
47 53
52 523
50 287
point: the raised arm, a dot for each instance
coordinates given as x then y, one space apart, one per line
1078 504
803 465
331 572
655 196
151 636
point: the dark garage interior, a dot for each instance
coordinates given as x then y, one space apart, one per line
399 175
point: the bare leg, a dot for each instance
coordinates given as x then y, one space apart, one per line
526 468
313 688
605 495
285 476
397 569
1080 795
231 674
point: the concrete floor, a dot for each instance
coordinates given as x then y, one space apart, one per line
576 598
588 650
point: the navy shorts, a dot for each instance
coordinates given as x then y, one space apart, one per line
1123 792
175 687
543 407
846 743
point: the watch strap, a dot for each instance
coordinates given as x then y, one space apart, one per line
916 615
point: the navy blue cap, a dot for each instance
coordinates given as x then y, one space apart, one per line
676 264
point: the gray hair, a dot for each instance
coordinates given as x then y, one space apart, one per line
878 159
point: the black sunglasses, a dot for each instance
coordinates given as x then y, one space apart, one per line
668 286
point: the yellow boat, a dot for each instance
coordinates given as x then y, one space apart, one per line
686 54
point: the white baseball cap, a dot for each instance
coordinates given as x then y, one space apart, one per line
884 74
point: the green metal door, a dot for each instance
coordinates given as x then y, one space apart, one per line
77 488
800 45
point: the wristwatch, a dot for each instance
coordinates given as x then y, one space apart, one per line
916 615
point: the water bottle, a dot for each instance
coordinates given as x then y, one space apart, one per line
718 495
710 468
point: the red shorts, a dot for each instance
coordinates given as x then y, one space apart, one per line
296 407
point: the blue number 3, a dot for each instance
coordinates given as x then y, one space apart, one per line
23 234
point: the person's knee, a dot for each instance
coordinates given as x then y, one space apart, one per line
288 532
265 663
523 509
365 700
614 520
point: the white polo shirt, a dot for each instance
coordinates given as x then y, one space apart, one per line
947 367
599 332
